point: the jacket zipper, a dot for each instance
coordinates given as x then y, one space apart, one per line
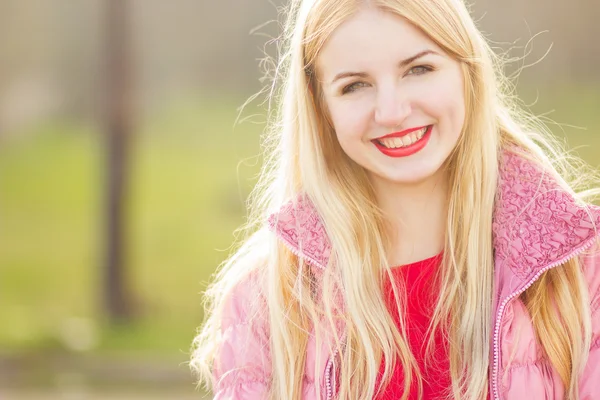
328 368
515 294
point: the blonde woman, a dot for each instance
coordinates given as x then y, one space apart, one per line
414 234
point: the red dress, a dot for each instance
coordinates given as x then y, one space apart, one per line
418 279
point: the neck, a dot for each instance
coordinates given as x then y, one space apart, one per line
417 216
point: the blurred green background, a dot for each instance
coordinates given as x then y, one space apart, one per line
190 168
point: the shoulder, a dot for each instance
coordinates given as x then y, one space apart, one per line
240 287
243 357
241 313
245 302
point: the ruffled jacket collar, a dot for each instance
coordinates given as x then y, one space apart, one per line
536 224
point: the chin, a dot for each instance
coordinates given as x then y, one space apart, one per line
405 180
410 177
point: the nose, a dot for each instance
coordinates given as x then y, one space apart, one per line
391 108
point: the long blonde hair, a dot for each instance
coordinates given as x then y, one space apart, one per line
303 156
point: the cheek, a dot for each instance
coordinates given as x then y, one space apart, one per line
446 101
350 120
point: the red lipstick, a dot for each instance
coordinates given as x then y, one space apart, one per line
402 133
404 151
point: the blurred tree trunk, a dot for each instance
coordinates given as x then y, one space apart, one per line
118 125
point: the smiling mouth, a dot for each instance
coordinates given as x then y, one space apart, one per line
404 141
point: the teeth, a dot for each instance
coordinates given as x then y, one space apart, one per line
391 143
407 140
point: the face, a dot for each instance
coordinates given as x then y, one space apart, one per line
394 97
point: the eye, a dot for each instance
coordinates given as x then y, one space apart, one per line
353 87
420 70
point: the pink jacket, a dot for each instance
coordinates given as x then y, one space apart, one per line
537 226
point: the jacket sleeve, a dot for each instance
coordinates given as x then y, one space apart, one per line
589 383
242 366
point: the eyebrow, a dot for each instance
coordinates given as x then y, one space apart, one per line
401 64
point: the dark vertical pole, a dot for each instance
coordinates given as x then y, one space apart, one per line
118 134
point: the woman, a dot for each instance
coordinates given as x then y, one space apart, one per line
414 233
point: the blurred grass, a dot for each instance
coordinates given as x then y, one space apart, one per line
187 191
186 200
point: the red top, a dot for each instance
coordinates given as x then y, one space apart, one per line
418 279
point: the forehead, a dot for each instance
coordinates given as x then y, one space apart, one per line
371 38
